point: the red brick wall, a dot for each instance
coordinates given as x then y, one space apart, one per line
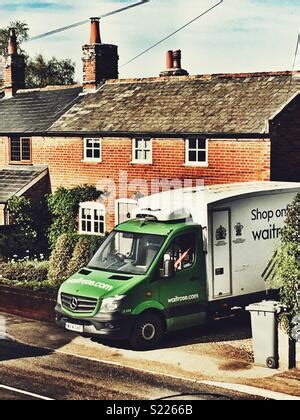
229 161
285 135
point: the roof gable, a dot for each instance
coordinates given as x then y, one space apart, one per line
15 181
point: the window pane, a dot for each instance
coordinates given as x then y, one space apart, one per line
15 150
89 227
102 228
83 226
26 150
192 143
89 153
192 156
201 156
96 227
97 153
183 252
89 143
201 144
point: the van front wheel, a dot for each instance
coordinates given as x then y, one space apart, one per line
147 332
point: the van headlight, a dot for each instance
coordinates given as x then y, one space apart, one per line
112 304
59 301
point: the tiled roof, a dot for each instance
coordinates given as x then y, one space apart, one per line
36 110
14 180
198 104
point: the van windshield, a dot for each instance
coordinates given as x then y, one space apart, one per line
127 253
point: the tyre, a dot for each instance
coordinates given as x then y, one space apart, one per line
272 363
147 332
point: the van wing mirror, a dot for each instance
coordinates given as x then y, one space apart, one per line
168 271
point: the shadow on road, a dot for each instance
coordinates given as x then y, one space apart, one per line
11 350
225 330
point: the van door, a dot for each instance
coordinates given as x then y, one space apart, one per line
221 252
124 210
184 295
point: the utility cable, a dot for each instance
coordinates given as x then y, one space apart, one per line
294 65
173 33
82 22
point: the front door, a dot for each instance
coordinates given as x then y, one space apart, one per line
184 294
124 210
221 253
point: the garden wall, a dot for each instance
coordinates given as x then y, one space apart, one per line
28 304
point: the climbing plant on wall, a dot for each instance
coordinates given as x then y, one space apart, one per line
64 208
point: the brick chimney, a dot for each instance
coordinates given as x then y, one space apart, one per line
100 61
14 68
173 65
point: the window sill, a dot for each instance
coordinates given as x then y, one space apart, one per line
139 162
91 234
196 165
91 161
21 163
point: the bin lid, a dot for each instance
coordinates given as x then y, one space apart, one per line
265 306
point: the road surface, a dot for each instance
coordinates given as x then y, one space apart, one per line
28 373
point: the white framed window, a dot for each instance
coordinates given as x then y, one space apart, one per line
142 150
92 150
196 152
92 218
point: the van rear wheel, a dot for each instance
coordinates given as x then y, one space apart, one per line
147 332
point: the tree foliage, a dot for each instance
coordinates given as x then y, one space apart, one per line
286 273
22 31
32 221
39 71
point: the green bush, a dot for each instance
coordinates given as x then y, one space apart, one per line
81 256
60 259
24 272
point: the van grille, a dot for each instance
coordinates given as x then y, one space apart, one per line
78 303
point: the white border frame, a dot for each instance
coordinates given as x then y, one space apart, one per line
91 160
92 205
187 149
141 162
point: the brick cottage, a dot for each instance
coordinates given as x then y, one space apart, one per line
220 128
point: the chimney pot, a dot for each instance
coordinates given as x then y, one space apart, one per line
177 59
174 65
100 61
170 60
95 37
14 69
12 42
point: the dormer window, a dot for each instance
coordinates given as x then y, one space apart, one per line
20 150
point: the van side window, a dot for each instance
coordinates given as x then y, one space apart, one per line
183 251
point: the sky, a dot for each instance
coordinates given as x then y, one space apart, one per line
237 36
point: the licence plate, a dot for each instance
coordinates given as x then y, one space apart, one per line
74 327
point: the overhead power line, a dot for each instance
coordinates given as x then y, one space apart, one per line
173 33
294 64
296 52
83 22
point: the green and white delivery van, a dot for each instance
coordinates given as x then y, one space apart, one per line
186 255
